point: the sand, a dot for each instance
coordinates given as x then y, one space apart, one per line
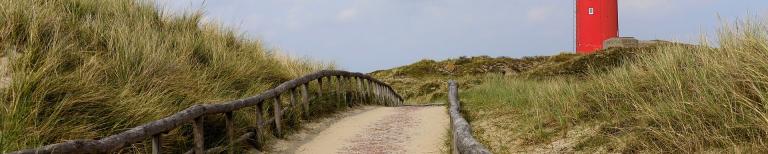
383 130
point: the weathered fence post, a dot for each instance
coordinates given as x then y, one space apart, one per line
259 124
197 130
375 90
278 117
320 90
389 97
331 90
462 139
386 95
157 145
366 90
352 87
305 100
359 90
369 91
295 109
383 95
338 91
320 87
230 121
378 94
343 91
347 89
292 99
373 93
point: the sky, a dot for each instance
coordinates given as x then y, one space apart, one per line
369 35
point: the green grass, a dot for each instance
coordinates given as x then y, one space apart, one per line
84 69
505 111
675 99
425 81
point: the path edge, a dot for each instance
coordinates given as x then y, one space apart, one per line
462 140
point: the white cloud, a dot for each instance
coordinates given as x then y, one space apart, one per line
540 13
347 14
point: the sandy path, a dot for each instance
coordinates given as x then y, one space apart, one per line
384 130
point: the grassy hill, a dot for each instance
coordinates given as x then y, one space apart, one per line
677 99
89 68
669 98
424 81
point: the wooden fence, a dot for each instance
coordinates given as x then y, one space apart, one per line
463 142
359 87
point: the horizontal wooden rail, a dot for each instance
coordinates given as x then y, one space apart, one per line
463 142
365 88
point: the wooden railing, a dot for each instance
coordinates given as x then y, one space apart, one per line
463 142
359 88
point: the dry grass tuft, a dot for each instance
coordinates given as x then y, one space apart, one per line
425 81
88 68
677 99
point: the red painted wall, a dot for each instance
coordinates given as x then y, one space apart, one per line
594 27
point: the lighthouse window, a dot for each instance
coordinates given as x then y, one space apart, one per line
591 11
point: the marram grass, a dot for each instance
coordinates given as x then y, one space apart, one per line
675 99
82 69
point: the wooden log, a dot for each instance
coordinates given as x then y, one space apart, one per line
348 91
342 97
392 98
376 94
358 89
219 149
293 104
259 125
384 96
320 97
320 87
352 90
390 101
331 89
137 134
364 91
348 96
367 86
337 85
197 130
463 141
305 100
292 99
340 90
278 117
157 145
380 95
372 93
344 87
230 121
387 100
355 90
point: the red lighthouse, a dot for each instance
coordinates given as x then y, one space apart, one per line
596 21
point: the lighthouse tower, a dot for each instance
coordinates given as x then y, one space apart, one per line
596 21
